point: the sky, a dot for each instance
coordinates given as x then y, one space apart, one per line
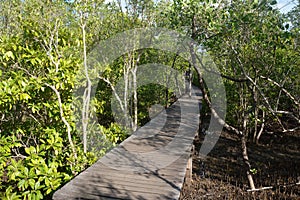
286 5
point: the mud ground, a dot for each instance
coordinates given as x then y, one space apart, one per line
222 175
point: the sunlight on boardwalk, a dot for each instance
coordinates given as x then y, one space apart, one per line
150 164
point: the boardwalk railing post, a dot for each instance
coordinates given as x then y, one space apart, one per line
189 170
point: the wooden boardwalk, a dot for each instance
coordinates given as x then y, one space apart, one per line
150 164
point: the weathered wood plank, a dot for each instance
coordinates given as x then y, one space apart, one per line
116 194
150 164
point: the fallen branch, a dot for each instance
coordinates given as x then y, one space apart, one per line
273 187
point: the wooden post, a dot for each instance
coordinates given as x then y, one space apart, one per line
189 170
189 167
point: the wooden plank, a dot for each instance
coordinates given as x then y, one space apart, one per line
159 185
102 188
77 193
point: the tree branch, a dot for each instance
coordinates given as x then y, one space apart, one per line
60 109
63 118
220 74
282 89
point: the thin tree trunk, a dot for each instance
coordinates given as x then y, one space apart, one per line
256 110
246 161
261 128
190 81
126 79
134 66
167 90
87 93
135 99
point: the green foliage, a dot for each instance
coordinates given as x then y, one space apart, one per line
150 95
114 133
35 156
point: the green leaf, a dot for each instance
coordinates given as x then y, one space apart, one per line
39 195
31 183
253 171
26 171
49 190
37 185
21 183
27 150
8 55
25 96
30 150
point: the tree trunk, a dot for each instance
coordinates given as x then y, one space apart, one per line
246 161
87 93
256 110
126 85
190 81
261 128
135 99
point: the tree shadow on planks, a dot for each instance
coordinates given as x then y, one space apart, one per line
121 174
158 132
117 184
103 182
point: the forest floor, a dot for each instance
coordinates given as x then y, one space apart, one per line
222 174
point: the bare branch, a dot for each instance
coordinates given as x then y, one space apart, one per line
60 109
114 91
205 95
220 74
282 89
266 101
273 187
34 118
63 118
288 113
